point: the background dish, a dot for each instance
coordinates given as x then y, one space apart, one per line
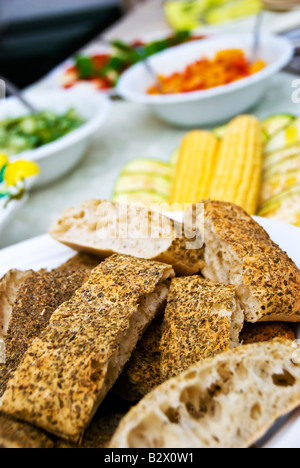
213 105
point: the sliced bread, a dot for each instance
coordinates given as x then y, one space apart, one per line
38 297
69 369
202 319
105 228
238 251
266 331
142 373
228 401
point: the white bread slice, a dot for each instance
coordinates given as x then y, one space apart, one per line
238 251
228 401
104 228
68 370
202 319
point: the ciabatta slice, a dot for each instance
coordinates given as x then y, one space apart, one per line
228 401
105 228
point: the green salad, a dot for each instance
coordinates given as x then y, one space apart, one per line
35 130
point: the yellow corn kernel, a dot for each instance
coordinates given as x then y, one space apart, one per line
238 172
194 170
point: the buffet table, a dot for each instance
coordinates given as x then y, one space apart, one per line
130 132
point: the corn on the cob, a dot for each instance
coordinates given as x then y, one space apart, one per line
194 170
237 176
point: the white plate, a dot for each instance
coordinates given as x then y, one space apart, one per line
212 105
44 252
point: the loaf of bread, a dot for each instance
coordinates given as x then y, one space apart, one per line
202 319
105 228
69 369
238 251
228 401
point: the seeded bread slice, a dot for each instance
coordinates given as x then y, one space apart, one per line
228 401
202 319
36 299
238 251
69 369
105 228
142 373
266 331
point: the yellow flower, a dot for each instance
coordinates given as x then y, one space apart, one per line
3 160
20 170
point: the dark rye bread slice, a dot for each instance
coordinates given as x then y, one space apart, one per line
238 251
266 331
202 319
38 297
142 373
106 228
69 369
229 401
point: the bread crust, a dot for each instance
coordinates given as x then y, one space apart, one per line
38 297
10 283
266 331
267 271
142 373
69 369
198 323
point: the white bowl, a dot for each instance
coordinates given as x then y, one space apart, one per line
59 157
209 106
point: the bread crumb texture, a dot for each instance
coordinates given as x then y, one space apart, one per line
266 270
197 323
228 401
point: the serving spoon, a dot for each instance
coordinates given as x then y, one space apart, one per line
15 91
257 36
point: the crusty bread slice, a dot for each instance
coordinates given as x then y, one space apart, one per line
9 287
21 435
228 401
69 369
202 319
238 251
142 373
266 331
40 294
105 228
